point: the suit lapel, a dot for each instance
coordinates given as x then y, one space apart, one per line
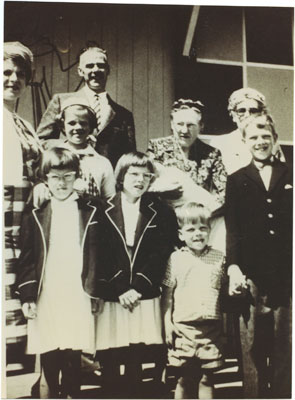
252 172
278 171
109 114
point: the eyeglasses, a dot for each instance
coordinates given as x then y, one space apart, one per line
252 110
68 177
146 175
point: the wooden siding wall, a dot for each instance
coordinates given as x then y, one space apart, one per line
139 42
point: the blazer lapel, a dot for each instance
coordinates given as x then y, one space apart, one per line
252 172
85 214
43 216
146 215
114 212
278 171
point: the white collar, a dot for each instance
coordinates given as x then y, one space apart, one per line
90 94
86 151
57 203
260 165
128 204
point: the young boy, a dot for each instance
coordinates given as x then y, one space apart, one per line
259 251
77 121
190 304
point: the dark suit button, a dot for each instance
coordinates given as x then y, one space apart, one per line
269 200
270 215
272 232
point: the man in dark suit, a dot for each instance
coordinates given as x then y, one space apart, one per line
115 125
259 254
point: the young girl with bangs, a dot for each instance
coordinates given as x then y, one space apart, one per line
55 267
139 235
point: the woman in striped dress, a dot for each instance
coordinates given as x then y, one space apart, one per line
21 150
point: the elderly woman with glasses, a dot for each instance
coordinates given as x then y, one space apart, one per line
21 150
242 103
188 169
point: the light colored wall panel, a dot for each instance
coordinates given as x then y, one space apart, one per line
125 57
155 77
60 80
140 77
109 42
277 86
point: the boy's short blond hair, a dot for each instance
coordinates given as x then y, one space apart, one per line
192 213
264 121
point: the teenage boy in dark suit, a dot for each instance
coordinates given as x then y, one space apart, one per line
259 253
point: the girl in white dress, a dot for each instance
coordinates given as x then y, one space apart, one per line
52 275
139 235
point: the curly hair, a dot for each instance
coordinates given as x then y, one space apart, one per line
246 93
187 104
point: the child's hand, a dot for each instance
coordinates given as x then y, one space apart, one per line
237 282
130 299
97 306
29 310
169 333
41 193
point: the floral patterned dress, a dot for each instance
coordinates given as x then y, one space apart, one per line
204 165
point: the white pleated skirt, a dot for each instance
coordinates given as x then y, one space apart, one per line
118 327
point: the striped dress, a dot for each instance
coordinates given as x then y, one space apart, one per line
21 150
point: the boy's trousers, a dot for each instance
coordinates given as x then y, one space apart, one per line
266 350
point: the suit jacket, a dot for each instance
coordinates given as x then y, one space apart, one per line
259 227
35 234
204 165
155 237
116 138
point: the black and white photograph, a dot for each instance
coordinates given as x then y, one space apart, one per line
147 159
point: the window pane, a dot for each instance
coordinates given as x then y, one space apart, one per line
269 35
277 87
212 84
218 33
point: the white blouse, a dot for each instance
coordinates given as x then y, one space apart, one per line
130 215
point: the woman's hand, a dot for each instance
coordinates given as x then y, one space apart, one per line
41 193
130 299
97 306
29 310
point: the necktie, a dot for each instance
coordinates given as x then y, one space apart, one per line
97 110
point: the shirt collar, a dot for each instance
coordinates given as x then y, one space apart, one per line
87 151
91 95
73 197
127 203
260 165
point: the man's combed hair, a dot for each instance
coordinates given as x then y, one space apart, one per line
91 45
58 158
192 213
134 159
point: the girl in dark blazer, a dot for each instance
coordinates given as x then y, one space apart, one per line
54 274
139 235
